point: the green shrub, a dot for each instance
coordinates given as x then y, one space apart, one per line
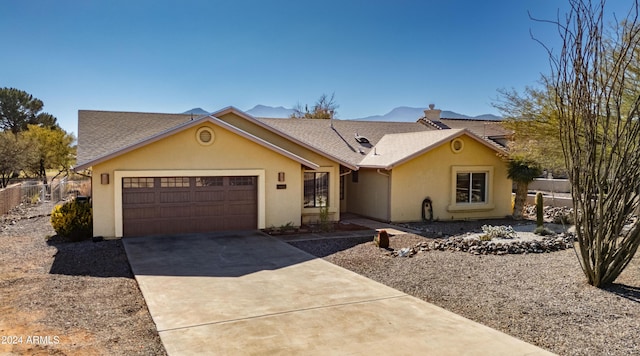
565 219
325 224
287 227
543 231
503 232
73 220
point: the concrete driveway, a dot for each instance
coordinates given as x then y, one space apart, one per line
249 294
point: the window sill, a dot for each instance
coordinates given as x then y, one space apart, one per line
471 207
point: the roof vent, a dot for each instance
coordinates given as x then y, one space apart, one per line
205 136
361 139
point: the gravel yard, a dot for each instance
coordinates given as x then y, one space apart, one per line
540 298
68 298
80 298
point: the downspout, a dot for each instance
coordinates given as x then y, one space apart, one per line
388 192
384 174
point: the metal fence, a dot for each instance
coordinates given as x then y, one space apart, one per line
33 192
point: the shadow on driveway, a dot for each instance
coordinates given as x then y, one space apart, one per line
87 258
225 254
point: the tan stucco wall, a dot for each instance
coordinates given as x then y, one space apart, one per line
181 154
430 175
309 215
370 196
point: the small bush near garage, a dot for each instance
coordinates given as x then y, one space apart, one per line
73 220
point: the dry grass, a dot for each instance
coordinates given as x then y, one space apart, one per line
77 298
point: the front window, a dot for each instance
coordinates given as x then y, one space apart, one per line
471 187
316 189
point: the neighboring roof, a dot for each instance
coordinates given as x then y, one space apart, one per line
340 140
184 126
103 132
482 128
395 149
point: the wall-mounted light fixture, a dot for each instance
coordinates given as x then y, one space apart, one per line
104 178
280 176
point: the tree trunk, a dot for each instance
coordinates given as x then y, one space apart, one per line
522 190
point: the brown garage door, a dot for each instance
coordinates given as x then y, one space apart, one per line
175 205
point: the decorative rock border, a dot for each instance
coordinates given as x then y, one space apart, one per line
475 246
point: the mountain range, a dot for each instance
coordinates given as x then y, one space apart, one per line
401 113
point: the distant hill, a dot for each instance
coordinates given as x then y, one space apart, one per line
270 111
196 111
405 113
401 113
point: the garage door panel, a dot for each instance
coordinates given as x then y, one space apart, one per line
140 213
173 205
175 196
207 196
138 197
234 224
208 210
172 212
240 195
240 209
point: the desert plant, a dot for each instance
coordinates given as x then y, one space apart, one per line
73 220
287 227
485 237
543 231
564 219
522 171
35 198
382 239
595 85
325 224
539 210
503 232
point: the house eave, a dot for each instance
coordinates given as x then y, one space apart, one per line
190 124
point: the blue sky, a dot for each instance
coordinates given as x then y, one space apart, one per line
171 56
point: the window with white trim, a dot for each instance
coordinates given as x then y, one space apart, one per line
471 187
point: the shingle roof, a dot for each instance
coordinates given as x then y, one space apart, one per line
394 149
481 128
103 132
339 140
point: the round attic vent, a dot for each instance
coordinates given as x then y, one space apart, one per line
457 145
205 136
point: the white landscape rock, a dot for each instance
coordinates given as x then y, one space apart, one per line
525 242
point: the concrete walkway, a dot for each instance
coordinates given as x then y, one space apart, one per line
377 225
250 294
